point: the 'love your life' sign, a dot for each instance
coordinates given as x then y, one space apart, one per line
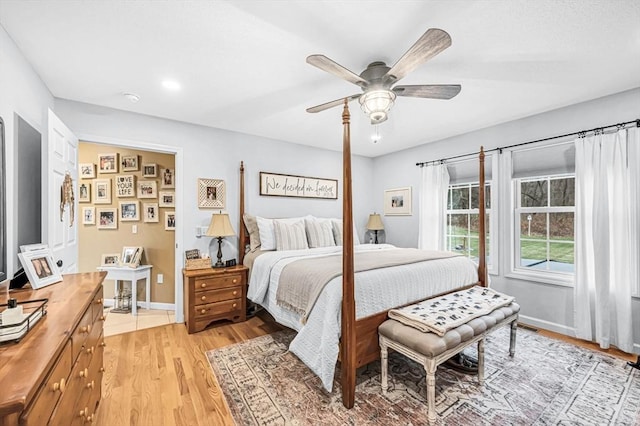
279 185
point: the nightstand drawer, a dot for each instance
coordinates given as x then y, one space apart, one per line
218 295
218 308
208 283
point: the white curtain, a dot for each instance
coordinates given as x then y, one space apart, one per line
606 239
433 207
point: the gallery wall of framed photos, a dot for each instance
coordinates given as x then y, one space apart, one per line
121 190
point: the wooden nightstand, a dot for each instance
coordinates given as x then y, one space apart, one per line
214 294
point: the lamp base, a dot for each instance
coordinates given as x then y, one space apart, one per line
376 240
219 263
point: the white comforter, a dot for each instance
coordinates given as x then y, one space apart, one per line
317 341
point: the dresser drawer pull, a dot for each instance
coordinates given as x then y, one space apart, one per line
89 419
59 386
90 350
101 370
83 373
234 305
85 329
235 280
84 413
203 298
98 301
204 311
90 385
235 292
103 344
203 285
102 318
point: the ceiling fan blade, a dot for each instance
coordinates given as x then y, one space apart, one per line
336 69
429 45
433 91
331 104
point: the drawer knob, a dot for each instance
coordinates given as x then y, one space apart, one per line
101 370
235 292
203 298
89 419
203 285
90 350
90 385
84 412
99 301
103 344
234 305
59 386
102 318
83 373
85 329
204 311
235 280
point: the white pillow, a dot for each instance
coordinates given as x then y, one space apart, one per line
290 236
337 232
267 231
319 232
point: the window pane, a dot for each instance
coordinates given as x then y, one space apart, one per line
561 256
458 224
562 192
459 198
533 254
561 226
460 244
475 197
487 196
533 193
533 225
474 224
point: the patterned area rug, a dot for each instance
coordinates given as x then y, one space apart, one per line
547 383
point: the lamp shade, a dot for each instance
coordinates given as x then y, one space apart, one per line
220 226
376 104
375 222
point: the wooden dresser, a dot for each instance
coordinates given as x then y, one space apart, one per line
214 294
54 374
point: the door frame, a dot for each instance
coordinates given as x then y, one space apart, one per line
178 152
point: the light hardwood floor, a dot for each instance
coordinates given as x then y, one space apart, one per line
160 376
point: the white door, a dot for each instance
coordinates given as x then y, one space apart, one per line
60 232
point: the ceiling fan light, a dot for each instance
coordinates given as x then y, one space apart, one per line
377 103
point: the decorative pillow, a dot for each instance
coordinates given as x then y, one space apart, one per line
254 235
319 232
267 231
290 236
337 232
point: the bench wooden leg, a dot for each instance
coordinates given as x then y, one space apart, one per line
430 367
512 342
383 366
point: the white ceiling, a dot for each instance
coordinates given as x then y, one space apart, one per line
242 64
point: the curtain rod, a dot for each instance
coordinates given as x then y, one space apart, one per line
580 133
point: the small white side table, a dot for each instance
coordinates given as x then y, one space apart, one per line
125 273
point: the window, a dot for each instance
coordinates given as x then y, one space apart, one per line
544 224
463 220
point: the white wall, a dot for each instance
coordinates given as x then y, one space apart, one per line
22 93
544 305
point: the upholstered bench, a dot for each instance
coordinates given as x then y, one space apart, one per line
431 350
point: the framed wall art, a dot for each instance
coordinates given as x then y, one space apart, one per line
129 163
147 189
108 163
129 210
84 193
211 193
170 221
150 170
167 178
397 202
278 185
112 259
167 199
150 212
102 191
89 215
107 218
87 170
125 186
40 267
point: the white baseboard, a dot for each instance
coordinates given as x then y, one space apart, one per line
547 325
153 305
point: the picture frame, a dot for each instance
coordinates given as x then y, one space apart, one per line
40 267
147 189
150 170
170 221
84 192
150 212
87 170
129 211
131 256
129 163
102 191
108 163
279 185
111 259
88 215
33 247
167 199
125 186
397 202
107 218
211 193
167 178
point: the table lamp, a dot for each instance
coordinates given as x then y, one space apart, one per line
375 224
220 227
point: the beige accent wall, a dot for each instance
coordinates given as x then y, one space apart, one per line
158 243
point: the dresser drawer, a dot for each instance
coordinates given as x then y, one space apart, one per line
208 283
218 295
56 385
81 333
217 308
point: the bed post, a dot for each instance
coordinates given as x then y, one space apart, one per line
482 258
241 228
348 337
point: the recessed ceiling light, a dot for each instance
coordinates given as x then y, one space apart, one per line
171 85
132 97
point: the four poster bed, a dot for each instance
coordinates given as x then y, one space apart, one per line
342 330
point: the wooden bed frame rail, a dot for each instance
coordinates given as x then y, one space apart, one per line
359 340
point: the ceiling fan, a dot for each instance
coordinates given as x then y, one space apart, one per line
377 80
